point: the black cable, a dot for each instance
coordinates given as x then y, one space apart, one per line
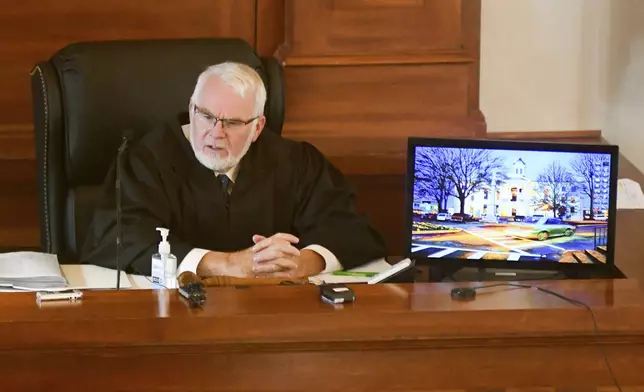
596 327
574 302
523 286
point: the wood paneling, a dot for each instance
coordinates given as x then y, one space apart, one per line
270 26
382 198
18 208
349 94
394 337
31 31
360 75
319 28
16 141
380 71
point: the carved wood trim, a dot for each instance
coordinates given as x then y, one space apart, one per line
442 57
547 135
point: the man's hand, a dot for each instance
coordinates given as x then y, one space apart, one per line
276 257
271 257
239 264
275 253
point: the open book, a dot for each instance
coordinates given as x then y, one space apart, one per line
30 271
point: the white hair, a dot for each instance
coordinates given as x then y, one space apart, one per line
242 78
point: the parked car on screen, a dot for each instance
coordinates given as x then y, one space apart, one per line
442 216
458 217
541 228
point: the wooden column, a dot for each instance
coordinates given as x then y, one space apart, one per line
363 75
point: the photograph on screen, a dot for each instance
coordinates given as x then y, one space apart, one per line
510 205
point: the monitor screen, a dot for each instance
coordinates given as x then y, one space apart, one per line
510 201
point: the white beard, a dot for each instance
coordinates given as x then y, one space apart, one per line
220 164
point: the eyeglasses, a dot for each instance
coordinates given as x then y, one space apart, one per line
205 118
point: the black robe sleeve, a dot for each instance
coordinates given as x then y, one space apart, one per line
326 214
145 206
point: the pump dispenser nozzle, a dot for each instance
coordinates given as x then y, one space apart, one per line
164 245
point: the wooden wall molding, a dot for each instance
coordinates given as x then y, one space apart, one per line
547 135
438 57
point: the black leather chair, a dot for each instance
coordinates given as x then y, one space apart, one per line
88 94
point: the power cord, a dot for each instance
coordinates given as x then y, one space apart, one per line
469 293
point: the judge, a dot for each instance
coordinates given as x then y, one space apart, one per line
239 200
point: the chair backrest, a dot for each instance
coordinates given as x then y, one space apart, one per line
90 93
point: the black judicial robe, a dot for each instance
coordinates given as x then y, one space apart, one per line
281 186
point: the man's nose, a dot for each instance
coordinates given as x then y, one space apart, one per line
218 131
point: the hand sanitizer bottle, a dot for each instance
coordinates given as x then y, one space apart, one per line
164 263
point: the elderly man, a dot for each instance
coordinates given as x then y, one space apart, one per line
238 201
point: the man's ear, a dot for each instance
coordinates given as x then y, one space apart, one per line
259 127
190 111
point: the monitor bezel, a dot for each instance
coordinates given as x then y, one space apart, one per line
414 142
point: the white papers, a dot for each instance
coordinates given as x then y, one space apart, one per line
141 282
87 276
629 194
379 265
30 271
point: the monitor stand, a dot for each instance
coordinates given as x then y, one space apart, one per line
503 275
480 274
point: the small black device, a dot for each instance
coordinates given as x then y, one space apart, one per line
463 293
336 293
192 289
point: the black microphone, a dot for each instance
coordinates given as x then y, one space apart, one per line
119 242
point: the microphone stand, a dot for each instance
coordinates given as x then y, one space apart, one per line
119 155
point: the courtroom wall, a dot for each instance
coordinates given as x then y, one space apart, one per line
543 64
379 70
360 77
31 31
624 118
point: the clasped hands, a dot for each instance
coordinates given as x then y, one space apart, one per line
270 257
275 256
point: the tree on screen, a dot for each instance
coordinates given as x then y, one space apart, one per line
431 182
553 186
588 167
470 169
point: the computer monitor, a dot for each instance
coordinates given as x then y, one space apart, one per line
509 204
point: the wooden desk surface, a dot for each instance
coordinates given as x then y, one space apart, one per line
394 337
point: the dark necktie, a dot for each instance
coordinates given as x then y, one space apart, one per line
225 184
